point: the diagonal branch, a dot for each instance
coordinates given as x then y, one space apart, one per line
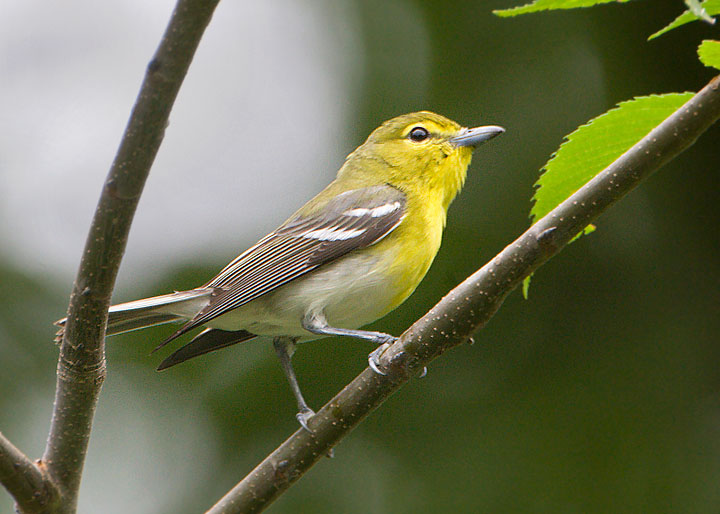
23 479
81 366
470 305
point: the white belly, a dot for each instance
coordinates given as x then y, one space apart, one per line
365 296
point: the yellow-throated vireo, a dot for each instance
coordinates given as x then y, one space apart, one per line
346 258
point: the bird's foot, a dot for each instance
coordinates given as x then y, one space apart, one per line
374 359
304 416
374 356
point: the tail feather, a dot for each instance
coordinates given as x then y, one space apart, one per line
148 312
208 340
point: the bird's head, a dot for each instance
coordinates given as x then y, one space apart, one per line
422 151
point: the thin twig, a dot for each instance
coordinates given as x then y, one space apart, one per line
81 366
24 480
470 305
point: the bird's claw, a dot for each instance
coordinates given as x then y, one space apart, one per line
374 358
304 416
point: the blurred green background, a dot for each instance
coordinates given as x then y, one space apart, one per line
601 393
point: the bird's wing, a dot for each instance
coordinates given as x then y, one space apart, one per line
352 220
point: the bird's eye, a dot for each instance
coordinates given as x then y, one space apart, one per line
419 134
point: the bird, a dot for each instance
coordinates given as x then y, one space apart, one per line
348 257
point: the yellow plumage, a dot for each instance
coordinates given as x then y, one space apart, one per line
346 258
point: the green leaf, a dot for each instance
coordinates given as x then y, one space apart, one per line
698 10
709 53
526 287
710 7
546 5
594 146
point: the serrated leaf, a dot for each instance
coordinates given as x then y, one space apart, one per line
711 8
546 5
709 53
594 146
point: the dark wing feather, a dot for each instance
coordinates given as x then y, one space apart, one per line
355 219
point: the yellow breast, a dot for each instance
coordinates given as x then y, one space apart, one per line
414 246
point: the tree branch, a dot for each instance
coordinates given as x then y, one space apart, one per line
23 479
81 365
470 305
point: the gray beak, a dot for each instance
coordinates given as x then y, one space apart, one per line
475 136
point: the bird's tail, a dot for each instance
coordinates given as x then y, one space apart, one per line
148 312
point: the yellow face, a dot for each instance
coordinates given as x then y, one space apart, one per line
418 153
420 137
422 153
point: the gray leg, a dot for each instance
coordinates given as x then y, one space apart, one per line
285 347
317 324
